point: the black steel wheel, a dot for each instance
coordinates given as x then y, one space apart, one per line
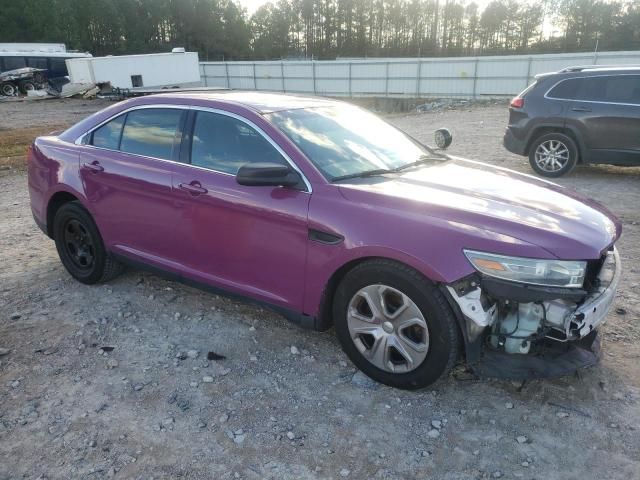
80 245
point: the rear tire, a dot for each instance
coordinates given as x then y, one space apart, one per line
27 86
8 89
80 246
553 155
385 312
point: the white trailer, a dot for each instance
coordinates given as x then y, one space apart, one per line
155 70
33 47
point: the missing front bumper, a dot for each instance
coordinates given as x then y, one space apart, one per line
558 360
556 330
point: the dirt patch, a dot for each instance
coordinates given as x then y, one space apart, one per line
153 405
22 121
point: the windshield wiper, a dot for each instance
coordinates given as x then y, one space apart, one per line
423 159
366 173
381 171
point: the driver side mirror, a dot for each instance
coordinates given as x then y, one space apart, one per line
443 138
267 175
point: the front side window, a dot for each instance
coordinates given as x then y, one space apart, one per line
151 132
347 140
108 135
224 144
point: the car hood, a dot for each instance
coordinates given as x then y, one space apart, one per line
559 220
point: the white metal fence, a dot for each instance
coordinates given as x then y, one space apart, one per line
401 77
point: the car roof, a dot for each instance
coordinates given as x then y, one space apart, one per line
594 69
260 102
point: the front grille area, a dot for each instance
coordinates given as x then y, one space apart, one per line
591 280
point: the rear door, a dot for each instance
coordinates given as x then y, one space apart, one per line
606 110
251 240
126 168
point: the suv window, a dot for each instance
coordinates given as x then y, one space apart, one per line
151 132
224 144
623 89
602 88
108 135
566 89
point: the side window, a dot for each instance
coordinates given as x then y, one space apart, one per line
592 89
13 63
565 90
151 132
37 62
108 135
224 144
622 89
57 67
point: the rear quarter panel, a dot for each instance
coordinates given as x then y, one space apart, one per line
52 166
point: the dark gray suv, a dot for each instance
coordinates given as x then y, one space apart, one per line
577 115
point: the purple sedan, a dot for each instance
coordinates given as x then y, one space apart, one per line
333 217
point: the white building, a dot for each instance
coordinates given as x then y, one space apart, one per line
155 70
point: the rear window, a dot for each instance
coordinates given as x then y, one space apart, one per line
151 132
527 90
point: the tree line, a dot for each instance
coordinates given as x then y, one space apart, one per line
325 29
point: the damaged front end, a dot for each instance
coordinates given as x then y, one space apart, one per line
521 330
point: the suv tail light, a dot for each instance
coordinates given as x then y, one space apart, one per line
517 102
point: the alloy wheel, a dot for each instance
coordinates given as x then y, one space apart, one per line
388 328
552 155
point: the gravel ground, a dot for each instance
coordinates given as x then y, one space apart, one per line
115 380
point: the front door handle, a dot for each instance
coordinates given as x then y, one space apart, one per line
581 109
94 166
194 188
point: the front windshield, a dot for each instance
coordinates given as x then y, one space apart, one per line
346 140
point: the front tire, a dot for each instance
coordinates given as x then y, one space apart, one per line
553 155
395 325
80 245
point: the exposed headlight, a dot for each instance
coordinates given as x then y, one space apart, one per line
549 273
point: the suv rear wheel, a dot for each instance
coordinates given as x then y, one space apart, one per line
553 155
395 325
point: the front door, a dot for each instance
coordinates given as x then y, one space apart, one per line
250 240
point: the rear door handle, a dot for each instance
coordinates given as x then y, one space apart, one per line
581 109
194 188
94 166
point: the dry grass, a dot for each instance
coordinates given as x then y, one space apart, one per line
14 144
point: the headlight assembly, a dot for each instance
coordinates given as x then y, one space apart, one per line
548 273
